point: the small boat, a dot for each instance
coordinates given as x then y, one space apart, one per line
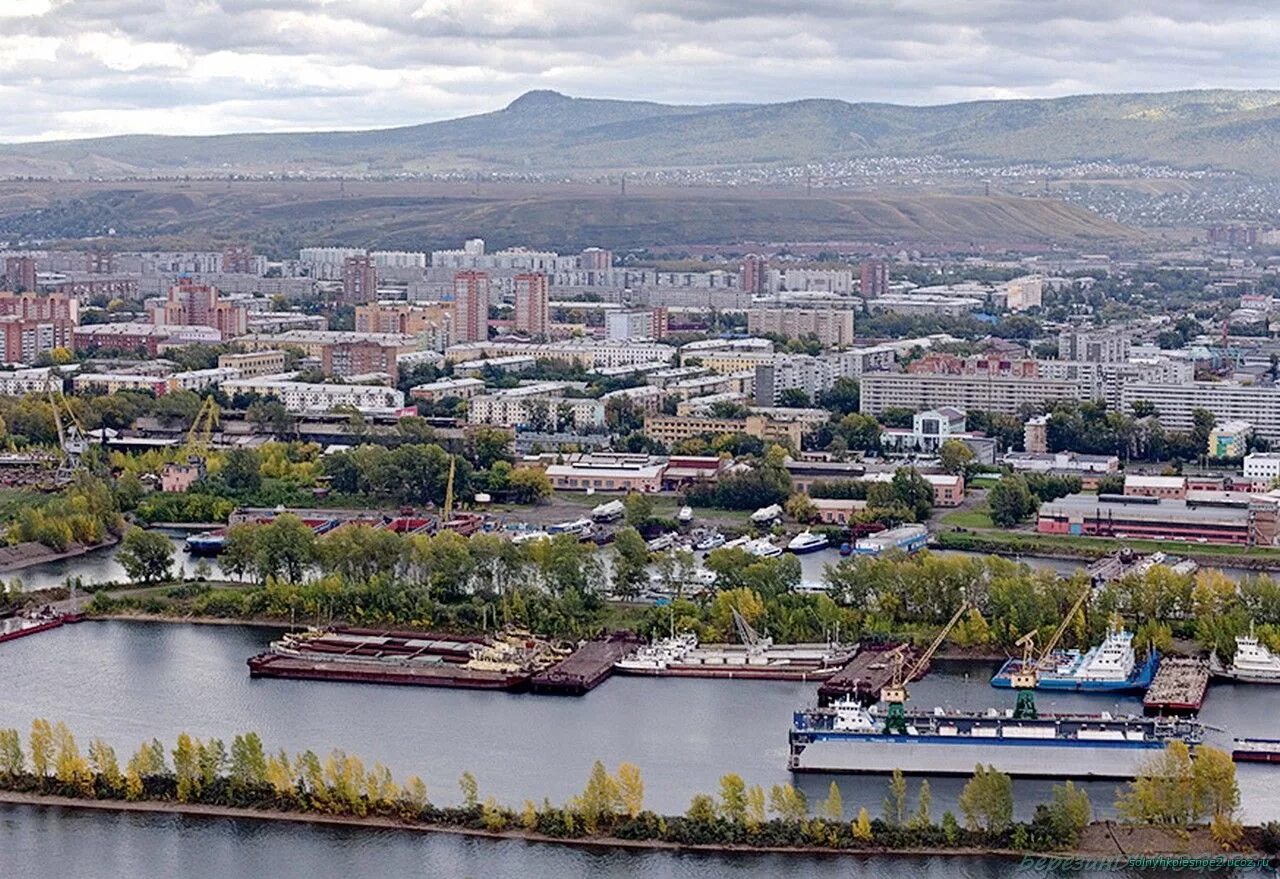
846 550
714 540
610 512
206 543
530 536
763 549
661 542
1255 750
685 516
807 541
737 543
765 515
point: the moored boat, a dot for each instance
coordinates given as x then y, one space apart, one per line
764 549
1255 750
806 541
1254 663
714 540
1110 667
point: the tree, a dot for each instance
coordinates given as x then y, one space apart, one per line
1011 501
1112 483
794 398
598 800
248 767
470 790
895 801
529 485
1164 790
630 563
12 760
832 807
922 818
640 509
71 769
40 744
630 789
955 456
1069 812
241 470
146 555
702 809
733 798
987 800
801 508
913 490
755 806
788 803
1213 780
861 829
102 757
287 546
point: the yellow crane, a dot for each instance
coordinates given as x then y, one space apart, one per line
71 436
895 694
447 513
201 433
1025 678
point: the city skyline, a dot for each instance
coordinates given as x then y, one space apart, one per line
134 66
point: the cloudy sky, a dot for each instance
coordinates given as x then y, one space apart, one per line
77 68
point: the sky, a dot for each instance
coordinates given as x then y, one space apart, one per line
81 68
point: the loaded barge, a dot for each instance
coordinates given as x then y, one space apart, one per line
13 628
505 662
587 667
1179 687
848 737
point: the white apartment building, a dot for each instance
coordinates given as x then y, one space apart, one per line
537 407
201 379
809 375
461 388
1003 394
306 397
587 353
622 325
1262 465
791 278
398 259
1257 404
26 381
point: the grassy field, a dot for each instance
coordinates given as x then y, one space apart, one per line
978 518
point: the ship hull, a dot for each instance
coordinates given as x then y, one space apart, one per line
939 755
1256 756
1244 677
1138 682
805 550
444 675
34 629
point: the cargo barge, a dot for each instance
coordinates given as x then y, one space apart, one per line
1179 687
587 667
848 737
14 628
506 662
868 672
1256 751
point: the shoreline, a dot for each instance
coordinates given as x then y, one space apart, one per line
52 556
196 810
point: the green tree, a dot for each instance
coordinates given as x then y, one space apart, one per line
987 800
12 760
861 829
1213 781
1069 812
955 456
895 801
923 819
470 790
733 798
248 767
788 803
40 745
1011 501
599 799
1163 791
241 470
702 809
630 789
630 563
529 485
640 509
146 556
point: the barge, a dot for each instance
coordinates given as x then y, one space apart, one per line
1179 687
587 667
17 627
1256 750
506 662
848 737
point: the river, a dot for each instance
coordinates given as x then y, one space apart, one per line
126 682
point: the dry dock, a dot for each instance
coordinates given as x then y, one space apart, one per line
587 667
862 677
1178 688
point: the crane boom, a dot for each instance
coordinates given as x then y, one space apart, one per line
1066 621
897 690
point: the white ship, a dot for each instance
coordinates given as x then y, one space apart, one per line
714 540
1254 663
807 541
763 549
654 658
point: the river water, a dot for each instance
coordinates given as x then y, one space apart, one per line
126 682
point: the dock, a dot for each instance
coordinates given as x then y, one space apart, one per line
587 667
865 675
1179 687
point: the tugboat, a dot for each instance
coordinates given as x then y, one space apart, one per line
1110 667
1254 663
807 541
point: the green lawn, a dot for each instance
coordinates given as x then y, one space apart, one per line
975 518
1021 541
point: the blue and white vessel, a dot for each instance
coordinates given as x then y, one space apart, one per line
848 737
1111 667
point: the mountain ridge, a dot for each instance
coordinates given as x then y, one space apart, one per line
544 131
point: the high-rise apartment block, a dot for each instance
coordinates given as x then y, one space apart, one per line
99 262
237 259
359 280
20 273
833 327
1097 346
595 259
754 274
532 315
874 281
470 307
192 304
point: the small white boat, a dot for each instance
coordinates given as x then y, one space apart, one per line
737 543
807 541
763 549
765 515
661 542
714 540
685 516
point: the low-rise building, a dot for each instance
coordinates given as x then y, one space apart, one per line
1262 465
1230 439
1067 463
837 511
114 382
1249 520
254 363
669 430
515 363
929 430
599 472
180 477
27 381
1167 487
316 397
459 388
540 407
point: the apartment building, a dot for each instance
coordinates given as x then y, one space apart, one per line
532 312
191 304
536 407
833 327
1002 394
309 397
471 306
669 430
252 364
459 388
1257 404
1094 346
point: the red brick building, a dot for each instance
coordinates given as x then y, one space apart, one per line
192 304
470 307
20 273
359 280
532 315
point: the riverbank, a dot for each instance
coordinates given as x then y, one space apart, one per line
28 555
1099 839
1012 543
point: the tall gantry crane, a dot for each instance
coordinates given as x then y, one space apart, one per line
72 437
895 693
200 435
1027 675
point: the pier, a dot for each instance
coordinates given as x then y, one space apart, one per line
1178 688
864 676
587 667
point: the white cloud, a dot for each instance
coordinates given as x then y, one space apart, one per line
112 66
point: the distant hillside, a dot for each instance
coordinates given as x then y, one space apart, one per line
548 132
281 216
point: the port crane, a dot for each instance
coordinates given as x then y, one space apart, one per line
895 693
71 436
1025 678
200 435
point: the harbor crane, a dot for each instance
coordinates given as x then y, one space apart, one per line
1027 675
895 693
200 435
71 436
